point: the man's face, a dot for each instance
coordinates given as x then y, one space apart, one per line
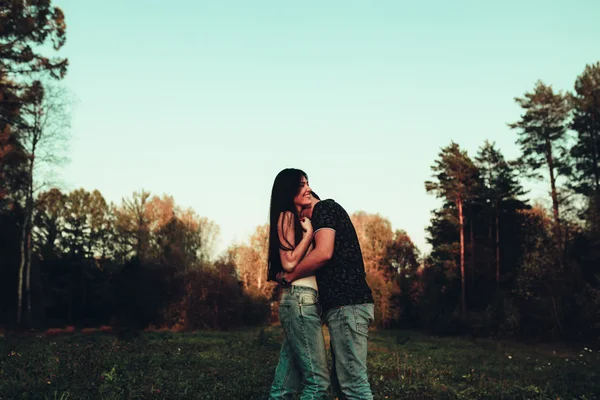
303 198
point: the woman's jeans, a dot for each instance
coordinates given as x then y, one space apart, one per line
302 360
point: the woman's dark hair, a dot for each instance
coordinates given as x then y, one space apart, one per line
285 188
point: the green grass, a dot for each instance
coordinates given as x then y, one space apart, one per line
240 365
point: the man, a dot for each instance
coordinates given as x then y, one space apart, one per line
344 294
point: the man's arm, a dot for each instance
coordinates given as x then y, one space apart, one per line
321 254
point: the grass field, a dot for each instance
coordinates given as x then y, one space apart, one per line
240 365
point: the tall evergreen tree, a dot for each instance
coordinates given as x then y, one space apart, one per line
542 138
500 185
456 180
586 122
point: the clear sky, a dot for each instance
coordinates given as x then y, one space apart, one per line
208 100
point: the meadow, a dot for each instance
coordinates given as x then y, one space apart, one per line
403 364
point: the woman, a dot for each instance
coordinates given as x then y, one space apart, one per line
302 360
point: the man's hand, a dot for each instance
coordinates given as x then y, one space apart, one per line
321 254
280 277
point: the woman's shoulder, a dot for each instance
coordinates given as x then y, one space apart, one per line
286 217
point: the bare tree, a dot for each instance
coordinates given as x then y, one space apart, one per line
43 137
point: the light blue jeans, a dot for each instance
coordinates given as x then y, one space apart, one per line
302 360
349 330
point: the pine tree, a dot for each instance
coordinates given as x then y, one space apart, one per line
456 181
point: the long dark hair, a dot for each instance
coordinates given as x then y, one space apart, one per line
285 188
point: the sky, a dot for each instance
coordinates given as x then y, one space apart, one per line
207 101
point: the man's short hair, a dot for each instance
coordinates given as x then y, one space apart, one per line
316 196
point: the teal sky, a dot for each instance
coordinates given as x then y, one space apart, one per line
208 100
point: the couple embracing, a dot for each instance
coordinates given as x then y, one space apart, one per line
315 255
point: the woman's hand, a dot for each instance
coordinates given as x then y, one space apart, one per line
307 227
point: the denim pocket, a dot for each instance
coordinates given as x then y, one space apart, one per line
363 316
285 305
307 299
285 308
335 316
362 328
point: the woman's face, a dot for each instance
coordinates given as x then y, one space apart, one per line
303 198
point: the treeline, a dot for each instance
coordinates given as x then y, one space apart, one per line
391 263
144 262
71 258
501 264
147 262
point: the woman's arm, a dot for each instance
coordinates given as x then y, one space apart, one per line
286 230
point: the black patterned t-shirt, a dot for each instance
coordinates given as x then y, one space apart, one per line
342 281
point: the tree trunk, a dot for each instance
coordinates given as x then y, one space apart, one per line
29 318
260 276
463 297
490 240
28 221
71 292
557 318
21 270
554 194
216 310
29 226
497 242
472 246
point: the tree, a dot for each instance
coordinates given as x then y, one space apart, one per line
376 237
132 226
403 257
101 232
202 235
25 26
542 138
179 237
456 181
28 24
49 224
77 229
43 135
444 238
402 253
250 261
11 155
540 283
500 185
586 122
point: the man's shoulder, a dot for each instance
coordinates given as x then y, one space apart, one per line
326 205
